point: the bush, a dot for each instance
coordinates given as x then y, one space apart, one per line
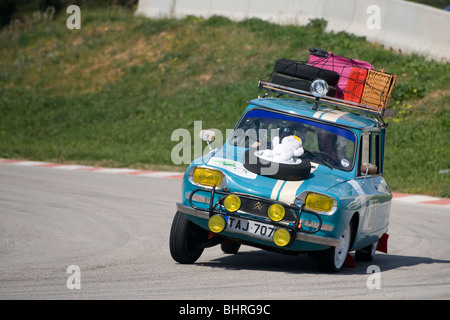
12 9
7 8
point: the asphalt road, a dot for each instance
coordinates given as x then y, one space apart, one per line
115 229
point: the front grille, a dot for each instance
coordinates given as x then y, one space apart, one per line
259 208
255 206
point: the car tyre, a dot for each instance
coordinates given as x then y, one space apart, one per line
332 260
186 239
297 83
291 82
276 170
367 253
304 71
230 247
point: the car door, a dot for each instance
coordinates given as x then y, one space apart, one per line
375 215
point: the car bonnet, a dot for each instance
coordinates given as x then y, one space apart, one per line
241 180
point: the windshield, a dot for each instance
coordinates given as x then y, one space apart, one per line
322 143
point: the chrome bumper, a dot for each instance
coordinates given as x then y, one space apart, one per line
327 241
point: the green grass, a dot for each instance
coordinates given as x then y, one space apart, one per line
419 147
113 92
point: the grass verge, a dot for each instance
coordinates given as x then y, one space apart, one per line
114 91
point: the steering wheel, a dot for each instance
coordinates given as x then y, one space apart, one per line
328 159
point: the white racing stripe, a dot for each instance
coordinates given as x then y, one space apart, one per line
318 114
276 189
289 191
289 188
71 167
331 115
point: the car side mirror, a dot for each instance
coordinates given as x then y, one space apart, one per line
207 135
368 168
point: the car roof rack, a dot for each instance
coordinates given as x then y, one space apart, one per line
329 101
335 81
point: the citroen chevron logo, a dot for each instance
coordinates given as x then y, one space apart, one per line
257 206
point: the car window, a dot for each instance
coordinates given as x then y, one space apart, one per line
323 143
370 150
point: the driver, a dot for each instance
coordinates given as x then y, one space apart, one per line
327 143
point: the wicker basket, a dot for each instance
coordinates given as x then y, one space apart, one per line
378 89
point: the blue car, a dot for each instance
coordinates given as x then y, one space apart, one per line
326 198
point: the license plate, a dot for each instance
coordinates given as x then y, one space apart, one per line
249 227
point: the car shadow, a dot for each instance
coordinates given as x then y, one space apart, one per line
261 260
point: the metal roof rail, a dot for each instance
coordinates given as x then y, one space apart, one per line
327 100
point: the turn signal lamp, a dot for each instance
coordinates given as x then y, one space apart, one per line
207 177
232 203
216 223
276 212
319 202
281 237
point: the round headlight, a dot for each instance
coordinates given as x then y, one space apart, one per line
276 212
232 203
216 223
281 237
319 88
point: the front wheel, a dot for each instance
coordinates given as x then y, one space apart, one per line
186 239
332 259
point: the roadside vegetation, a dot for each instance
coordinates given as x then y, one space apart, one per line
112 93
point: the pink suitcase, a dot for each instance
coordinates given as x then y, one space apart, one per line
327 60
